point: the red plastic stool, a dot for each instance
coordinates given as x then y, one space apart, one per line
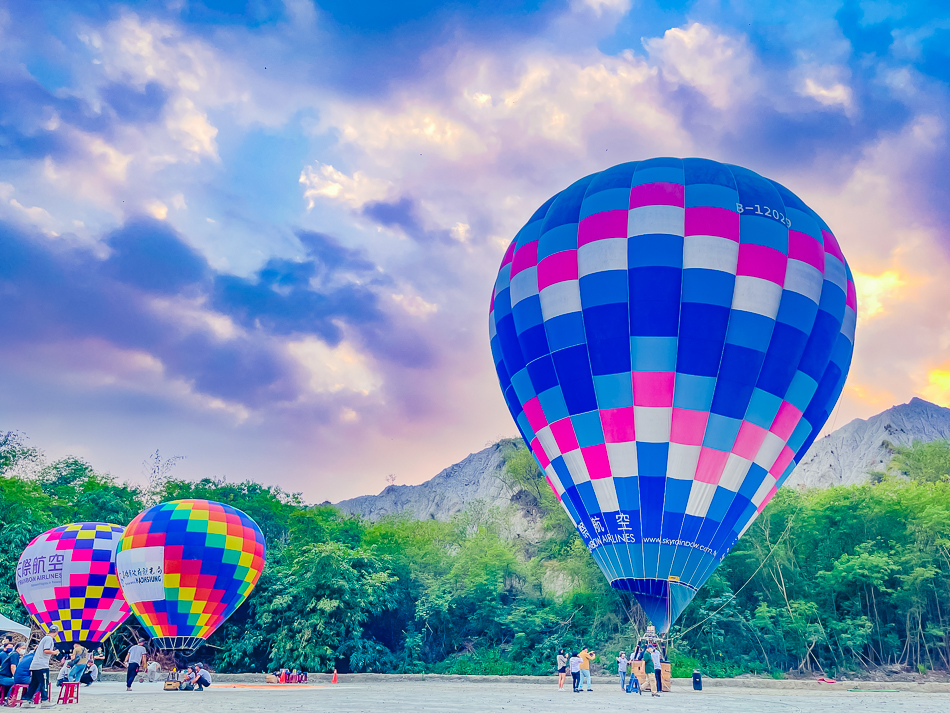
15 695
69 693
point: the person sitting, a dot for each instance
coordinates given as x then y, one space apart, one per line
90 674
8 667
63 676
22 674
188 681
204 677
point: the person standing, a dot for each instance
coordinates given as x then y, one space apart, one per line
657 670
586 657
647 659
77 664
561 669
622 668
39 668
575 665
135 659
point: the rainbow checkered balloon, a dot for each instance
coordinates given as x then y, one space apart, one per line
67 576
186 566
670 336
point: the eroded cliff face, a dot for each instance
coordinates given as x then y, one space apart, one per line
849 454
476 478
844 457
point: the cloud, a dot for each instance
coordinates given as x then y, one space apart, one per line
326 182
134 104
253 341
330 191
402 214
719 66
152 257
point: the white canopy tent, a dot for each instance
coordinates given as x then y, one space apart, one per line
9 625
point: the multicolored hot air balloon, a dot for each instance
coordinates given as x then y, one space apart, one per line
67 576
185 566
670 336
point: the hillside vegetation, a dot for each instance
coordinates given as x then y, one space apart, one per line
843 579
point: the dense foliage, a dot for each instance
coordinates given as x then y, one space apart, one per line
838 579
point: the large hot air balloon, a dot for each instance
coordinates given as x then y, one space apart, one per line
670 336
186 565
67 576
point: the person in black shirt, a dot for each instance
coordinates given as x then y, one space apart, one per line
8 663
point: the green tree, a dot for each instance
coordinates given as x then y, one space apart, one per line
923 462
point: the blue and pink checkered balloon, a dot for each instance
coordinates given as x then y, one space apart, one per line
670 336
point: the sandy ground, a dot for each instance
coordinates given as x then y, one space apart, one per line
413 697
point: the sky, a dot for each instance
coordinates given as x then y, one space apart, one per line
263 235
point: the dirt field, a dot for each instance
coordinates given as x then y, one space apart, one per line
452 697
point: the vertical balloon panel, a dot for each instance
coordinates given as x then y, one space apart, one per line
670 336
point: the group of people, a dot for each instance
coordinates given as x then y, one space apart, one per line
197 678
79 667
30 669
652 658
578 663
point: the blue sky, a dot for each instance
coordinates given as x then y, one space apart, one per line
263 234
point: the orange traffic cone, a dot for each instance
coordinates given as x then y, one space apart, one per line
334 676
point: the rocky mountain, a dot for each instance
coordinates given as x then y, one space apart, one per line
474 478
843 457
850 453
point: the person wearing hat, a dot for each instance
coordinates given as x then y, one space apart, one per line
39 668
204 678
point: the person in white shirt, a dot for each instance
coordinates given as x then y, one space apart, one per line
622 668
575 665
39 668
135 659
657 658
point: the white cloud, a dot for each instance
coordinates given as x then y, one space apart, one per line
829 95
334 369
156 209
829 84
324 181
719 66
194 315
415 305
602 7
33 216
191 128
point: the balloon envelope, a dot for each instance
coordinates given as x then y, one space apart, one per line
670 336
67 576
186 565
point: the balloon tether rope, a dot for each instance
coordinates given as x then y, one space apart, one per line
736 593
